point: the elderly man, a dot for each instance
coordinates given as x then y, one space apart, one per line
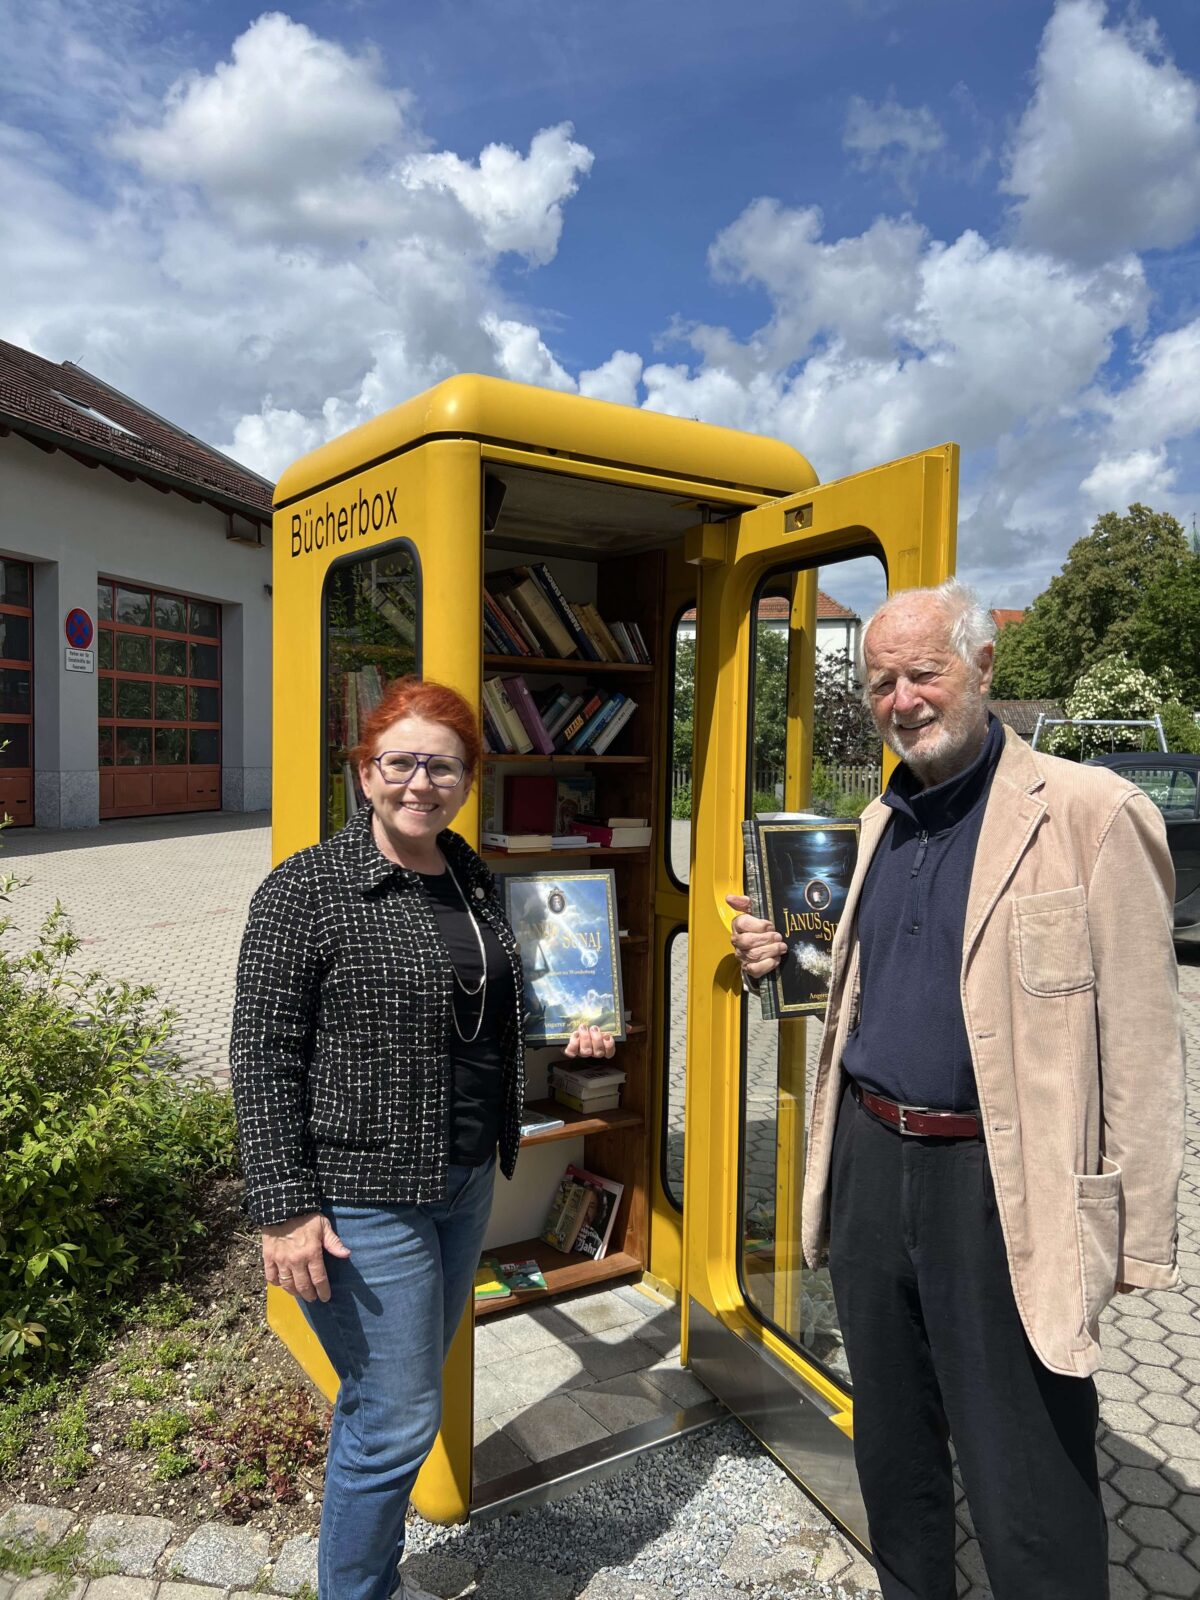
997 1127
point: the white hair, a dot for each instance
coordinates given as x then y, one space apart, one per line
971 624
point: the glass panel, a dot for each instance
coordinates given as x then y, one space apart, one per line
104 697
204 659
170 747
133 652
798 653
371 630
133 747
683 698
14 637
204 618
14 690
14 583
170 658
205 705
104 602
205 747
133 699
104 648
170 702
133 606
170 612
106 747
675 1055
15 738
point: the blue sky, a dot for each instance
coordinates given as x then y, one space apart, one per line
862 225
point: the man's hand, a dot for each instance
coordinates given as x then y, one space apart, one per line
294 1255
593 1042
757 944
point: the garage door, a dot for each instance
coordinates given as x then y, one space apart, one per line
16 691
159 663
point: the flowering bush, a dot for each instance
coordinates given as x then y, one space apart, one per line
1113 688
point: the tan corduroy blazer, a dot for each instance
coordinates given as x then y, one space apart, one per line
1070 999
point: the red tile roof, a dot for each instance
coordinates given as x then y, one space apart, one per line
1003 618
775 608
105 426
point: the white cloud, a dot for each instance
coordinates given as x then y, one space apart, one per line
616 380
1107 155
516 200
1162 402
1117 481
522 354
899 140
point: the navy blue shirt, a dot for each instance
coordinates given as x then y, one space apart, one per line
911 1042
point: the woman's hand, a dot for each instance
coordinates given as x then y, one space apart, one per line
757 944
592 1042
294 1254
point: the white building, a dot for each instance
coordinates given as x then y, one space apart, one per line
837 626
135 609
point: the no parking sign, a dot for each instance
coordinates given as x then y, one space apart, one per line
80 632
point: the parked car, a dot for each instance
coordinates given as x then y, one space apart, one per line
1173 782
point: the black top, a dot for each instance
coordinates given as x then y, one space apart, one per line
341 1066
911 1042
477 1085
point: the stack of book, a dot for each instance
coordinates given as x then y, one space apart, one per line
582 1213
616 833
588 1089
551 721
496 1280
525 613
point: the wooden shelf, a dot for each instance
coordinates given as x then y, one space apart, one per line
561 1272
606 669
583 850
578 1124
564 760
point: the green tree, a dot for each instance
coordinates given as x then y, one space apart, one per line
1088 611
683 704
844 732
1165 629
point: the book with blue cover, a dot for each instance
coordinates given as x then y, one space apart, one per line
566 929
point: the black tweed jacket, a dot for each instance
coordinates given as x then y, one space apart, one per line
341 1070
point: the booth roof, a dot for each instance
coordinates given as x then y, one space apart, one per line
520 416
59 406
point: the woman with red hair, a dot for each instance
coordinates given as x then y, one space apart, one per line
378 1063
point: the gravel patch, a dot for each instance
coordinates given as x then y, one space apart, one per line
667 1526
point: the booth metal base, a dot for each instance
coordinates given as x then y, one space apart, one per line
789 1417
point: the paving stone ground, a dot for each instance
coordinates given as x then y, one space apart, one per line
164 902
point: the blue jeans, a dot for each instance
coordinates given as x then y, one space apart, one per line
386 1327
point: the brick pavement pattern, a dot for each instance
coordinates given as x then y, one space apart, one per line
157 900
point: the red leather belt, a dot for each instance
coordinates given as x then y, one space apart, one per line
920 1121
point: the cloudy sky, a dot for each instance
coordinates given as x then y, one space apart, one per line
864 226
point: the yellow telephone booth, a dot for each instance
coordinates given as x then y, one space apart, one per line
398 548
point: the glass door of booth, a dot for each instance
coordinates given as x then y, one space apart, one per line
760 1326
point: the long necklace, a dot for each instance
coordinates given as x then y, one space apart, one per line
481 987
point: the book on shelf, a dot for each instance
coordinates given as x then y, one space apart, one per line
504 716
522 589
491 799
526 709
635 633
562 715
582 1213
516 841
529 802
575 796
797 870
604 634
533 645
564 841
613 727
350 790
592 1104
588 1079
619 822
565 926
541 573
612 838
489 1285
621 634
522 1277
597 722
504 629
535 1122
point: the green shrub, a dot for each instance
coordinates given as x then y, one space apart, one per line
102 1151
1180 727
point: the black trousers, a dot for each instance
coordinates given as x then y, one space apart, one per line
936 1350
